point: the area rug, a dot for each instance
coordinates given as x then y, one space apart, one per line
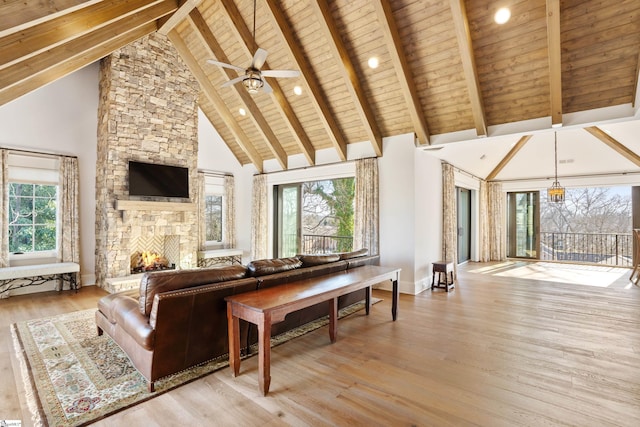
73 377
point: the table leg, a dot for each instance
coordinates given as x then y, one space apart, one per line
333 319
264 353
234 340
367 300
394 302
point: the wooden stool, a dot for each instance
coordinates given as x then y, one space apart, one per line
442 267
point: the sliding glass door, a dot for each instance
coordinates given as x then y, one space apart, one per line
524 224
288 217
464 224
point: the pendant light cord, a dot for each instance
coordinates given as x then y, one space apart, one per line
555 149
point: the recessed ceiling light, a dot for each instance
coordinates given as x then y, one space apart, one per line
373 62
242 112
502 15
297 90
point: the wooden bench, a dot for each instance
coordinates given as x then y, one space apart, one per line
265 307
38 274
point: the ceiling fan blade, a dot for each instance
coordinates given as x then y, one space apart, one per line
225 65
233 81
258 58
281 73
267 87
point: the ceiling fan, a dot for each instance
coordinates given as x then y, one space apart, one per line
253 77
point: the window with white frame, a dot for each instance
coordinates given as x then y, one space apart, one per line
214 199
33 183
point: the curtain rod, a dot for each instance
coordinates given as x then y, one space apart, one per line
593 175
20 150
469 174
316 166
215 173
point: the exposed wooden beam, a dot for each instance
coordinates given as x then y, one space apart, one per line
635 102
212 95
22 71
354 83
461 25
403 70
262 125
49 34
168 24
53 64
514 150
20 14
308 78
242 31
614 144
555 66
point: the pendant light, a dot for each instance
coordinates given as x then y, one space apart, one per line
555 193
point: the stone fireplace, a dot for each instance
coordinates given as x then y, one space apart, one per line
148 113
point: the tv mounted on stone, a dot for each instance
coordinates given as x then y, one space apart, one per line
149 181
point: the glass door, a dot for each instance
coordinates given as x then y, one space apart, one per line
288 220
464 224
523 224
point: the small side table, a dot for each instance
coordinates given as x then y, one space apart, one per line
443 268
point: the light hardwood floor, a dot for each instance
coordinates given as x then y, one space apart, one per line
497 351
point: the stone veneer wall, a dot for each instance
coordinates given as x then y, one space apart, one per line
147 112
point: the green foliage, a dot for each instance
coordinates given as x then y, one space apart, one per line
213 218
339 196
32 217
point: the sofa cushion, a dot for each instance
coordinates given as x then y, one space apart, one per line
311 260
354 254
156 282
262 267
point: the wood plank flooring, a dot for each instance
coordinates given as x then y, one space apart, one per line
497 351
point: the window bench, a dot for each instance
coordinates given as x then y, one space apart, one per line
217 257
38 274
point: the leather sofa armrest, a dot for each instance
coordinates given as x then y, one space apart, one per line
129 318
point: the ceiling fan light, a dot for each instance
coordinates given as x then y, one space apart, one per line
253 81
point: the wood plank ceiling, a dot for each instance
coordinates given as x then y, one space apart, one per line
445 65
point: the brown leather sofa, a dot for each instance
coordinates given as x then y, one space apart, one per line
177 318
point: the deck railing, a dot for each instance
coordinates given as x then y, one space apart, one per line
317 244
594 248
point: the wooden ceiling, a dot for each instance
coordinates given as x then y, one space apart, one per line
445 65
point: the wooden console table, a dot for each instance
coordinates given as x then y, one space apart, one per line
265 307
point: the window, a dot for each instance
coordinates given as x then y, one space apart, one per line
213 203
33 206
213 218
32 217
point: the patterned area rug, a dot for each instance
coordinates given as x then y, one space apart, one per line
73 377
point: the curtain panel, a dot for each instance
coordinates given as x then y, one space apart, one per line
449 217
200 208
496 222
4 209
483 222
229 212
69 212
259 216
366 219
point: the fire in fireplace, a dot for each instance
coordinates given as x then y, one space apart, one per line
142 261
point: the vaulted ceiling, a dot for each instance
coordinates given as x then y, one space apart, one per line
445 65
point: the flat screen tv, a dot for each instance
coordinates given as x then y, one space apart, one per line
153 180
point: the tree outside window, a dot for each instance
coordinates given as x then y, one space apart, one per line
213 218
32 217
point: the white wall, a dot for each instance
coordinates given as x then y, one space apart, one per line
61 118
214 155
428 228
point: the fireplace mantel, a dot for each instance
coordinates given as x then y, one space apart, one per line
142 205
